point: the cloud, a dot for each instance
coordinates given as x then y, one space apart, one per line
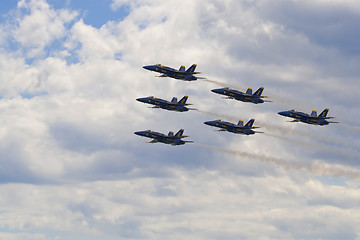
71 164
41 26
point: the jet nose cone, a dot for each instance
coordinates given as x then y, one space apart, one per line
138 133
141 99
283 113
150 67
216 90
210 123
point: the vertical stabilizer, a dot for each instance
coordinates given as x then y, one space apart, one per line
183 100
249 91
250 123
241 123
179 133
171 133
314 113
191 69
174 100
182 68
258 92
324 113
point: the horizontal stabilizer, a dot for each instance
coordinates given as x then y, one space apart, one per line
153 141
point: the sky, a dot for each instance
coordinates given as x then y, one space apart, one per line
72 168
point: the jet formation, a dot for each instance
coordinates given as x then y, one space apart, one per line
180 74
309 119
174 105
240 128
241 96
230 127
167 139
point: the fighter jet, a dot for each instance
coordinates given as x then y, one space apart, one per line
241 96
181 74
174 105
309 119
230 127
167 139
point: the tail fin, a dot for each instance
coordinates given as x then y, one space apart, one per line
314 113
324 113
250 123
249 91
241 123
171 133
182 68
183 100
174 100
258 92
179 133
191 69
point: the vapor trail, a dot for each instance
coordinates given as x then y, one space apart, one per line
316 168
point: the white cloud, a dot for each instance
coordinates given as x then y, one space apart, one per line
41 26
68 125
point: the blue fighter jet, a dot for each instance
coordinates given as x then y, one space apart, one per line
241 96
230 127
181 74
167 139
309 119
174 105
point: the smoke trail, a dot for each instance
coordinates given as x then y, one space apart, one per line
221 84
217 115
318 147
316 168
351 127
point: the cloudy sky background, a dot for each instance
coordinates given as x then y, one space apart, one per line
71 167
